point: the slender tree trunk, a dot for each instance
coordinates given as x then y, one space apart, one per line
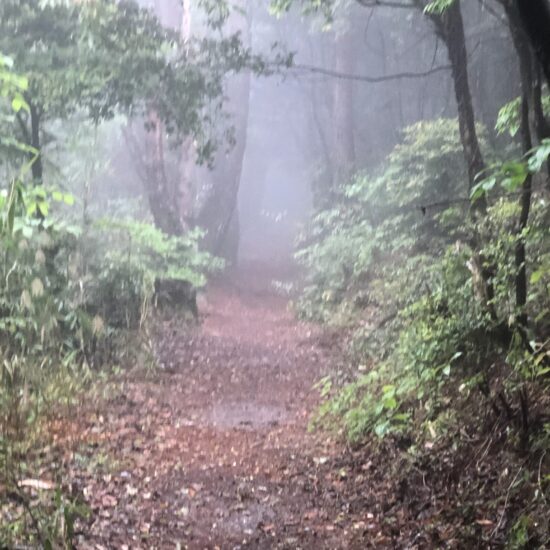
219 212
530 70
37 166
535 17
220 207
314 93
160 193
343 127
542 128
531 103
525 205
188 160
450 27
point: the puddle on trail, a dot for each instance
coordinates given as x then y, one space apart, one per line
245 414
244 520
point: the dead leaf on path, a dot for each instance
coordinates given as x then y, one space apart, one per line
38 484
312 514
109 501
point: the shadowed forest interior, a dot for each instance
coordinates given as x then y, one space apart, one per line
274 274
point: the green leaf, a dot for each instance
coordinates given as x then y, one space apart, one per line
19 103
44 208
537 275
438 6
390 403
483 187
68 199
539 156
515 174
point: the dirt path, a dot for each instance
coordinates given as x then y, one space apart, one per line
214 451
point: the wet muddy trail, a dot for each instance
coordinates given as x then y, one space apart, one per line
212 450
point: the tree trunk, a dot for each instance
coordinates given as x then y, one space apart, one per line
220 206
162 200
530 103
535 17
343 134
525 205
37 166
450 27
531 80
188 161
161 193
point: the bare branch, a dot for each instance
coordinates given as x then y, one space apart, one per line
385 4
366 78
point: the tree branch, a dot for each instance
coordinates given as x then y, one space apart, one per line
385 4
366 78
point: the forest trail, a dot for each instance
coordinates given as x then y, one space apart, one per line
212 450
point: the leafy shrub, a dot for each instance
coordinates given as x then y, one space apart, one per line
134 255
373 240
431 332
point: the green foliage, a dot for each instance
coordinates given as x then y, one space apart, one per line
74 298
121 286
162 256
509 115
411 283
374 239
12 102
67 301
438 6
106 57
511 175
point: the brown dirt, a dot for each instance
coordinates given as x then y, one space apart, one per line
213 450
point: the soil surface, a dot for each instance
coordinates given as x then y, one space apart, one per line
212 450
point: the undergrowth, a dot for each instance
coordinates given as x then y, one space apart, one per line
77 296
441 363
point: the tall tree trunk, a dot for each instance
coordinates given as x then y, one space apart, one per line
343 141
220 207
531 80
188 160
160 193
219 211
315 95
531 103
525 207
450 27
37 165
535 17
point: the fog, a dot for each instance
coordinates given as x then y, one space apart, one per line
301 131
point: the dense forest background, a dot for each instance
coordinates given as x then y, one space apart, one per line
386 162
